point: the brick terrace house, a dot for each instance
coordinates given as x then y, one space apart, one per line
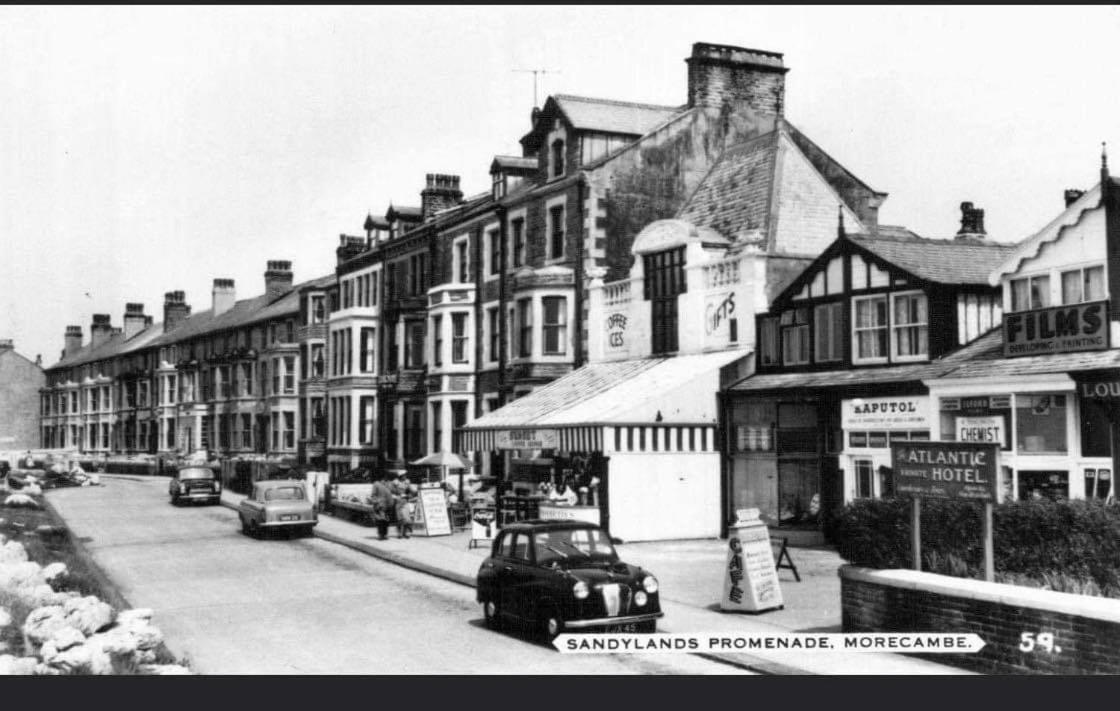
20 381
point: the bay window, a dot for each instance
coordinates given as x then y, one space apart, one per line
369 349
555 325
495 333
437 340
459 338
524 328
366 405
870 328
910 327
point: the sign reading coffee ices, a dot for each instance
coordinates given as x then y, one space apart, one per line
527 439
945 470
616 331
886 413
1058 329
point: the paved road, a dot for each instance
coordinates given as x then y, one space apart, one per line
235 605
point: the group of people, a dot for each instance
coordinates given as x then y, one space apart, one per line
391 498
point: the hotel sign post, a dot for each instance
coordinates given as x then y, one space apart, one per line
965 471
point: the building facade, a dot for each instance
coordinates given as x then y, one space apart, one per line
20 382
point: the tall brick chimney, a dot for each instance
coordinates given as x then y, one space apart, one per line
223 296
100 330
349 247
277 279
441 193
72 341
134 320
175 310
972 222
719 73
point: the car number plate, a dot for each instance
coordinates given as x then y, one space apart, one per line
289 517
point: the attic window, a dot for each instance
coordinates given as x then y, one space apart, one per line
557 158
499 186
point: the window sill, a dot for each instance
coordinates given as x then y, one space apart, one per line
870 361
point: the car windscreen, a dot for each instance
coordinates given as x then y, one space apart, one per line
571 543
284 493
196 473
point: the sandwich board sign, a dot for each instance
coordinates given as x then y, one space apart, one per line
431 509
750 578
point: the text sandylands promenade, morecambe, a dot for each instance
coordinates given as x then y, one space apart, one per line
946 470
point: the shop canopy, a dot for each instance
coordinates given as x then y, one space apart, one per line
570 413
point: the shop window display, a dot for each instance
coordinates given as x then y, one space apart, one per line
1040 424
1034 485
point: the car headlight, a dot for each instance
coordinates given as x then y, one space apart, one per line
650 584
217 486
640 598
580 590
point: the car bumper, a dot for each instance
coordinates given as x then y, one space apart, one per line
612 621
282 524
207 495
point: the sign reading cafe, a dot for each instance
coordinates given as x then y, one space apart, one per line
1058 329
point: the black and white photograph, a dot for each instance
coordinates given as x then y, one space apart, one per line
559 340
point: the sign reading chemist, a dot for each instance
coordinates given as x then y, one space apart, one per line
911 412
1058 329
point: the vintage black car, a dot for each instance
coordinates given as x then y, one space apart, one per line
557 576
195 483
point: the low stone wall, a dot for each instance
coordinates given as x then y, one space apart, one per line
1012 620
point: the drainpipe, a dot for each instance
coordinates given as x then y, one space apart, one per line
503 296
581 184
724 461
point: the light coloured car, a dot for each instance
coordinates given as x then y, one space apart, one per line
277 504
192 483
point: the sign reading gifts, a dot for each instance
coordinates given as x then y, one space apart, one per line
945 470
1058 329
886 413
527 439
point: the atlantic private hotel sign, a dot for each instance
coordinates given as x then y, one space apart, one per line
1057 329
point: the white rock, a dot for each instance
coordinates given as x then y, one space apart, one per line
12 552
5 618
165 669
22 666
116 640
20 574
53 570
144 656
43 622
66 638
46 670
88 614
22 500
147 637
138 614
75 659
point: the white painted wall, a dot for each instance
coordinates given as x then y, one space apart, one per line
664 496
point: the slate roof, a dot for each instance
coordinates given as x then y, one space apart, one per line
244 312
514 162
734 198
612 116
944 261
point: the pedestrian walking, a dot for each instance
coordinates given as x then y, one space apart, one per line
401 490
382 499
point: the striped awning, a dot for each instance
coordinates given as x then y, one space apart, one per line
581 438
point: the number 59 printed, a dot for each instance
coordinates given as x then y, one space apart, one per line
1029 642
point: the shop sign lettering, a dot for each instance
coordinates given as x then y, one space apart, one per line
945 470
616 330
1058 329
1105 390
527 439
981 429
904 413
718 312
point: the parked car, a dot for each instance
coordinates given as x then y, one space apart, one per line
195 483
277 504
557 576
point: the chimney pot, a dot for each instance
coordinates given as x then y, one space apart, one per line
175 310
134 319
719 74
277 278
972 222
72 341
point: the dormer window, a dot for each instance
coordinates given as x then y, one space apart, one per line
499 186
557 158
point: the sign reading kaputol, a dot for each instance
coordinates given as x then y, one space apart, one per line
527 439
946 470
910 412
1058 329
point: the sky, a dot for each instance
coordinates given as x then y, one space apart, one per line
151 149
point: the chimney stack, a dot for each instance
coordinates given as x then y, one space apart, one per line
349 247
972 222
223 296
6 344
1073 196
719 74
442 192
175 310
134 320
277 279
72 341
100 330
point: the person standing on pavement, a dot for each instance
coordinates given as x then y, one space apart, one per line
382 498
401 490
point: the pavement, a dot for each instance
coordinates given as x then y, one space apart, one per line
690 573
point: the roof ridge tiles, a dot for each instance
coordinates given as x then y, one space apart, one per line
619 102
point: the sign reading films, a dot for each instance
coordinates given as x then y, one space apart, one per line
1058 329
946 470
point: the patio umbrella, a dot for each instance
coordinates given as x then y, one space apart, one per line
446 460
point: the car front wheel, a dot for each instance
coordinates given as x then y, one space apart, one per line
492 614
174 499
551 623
